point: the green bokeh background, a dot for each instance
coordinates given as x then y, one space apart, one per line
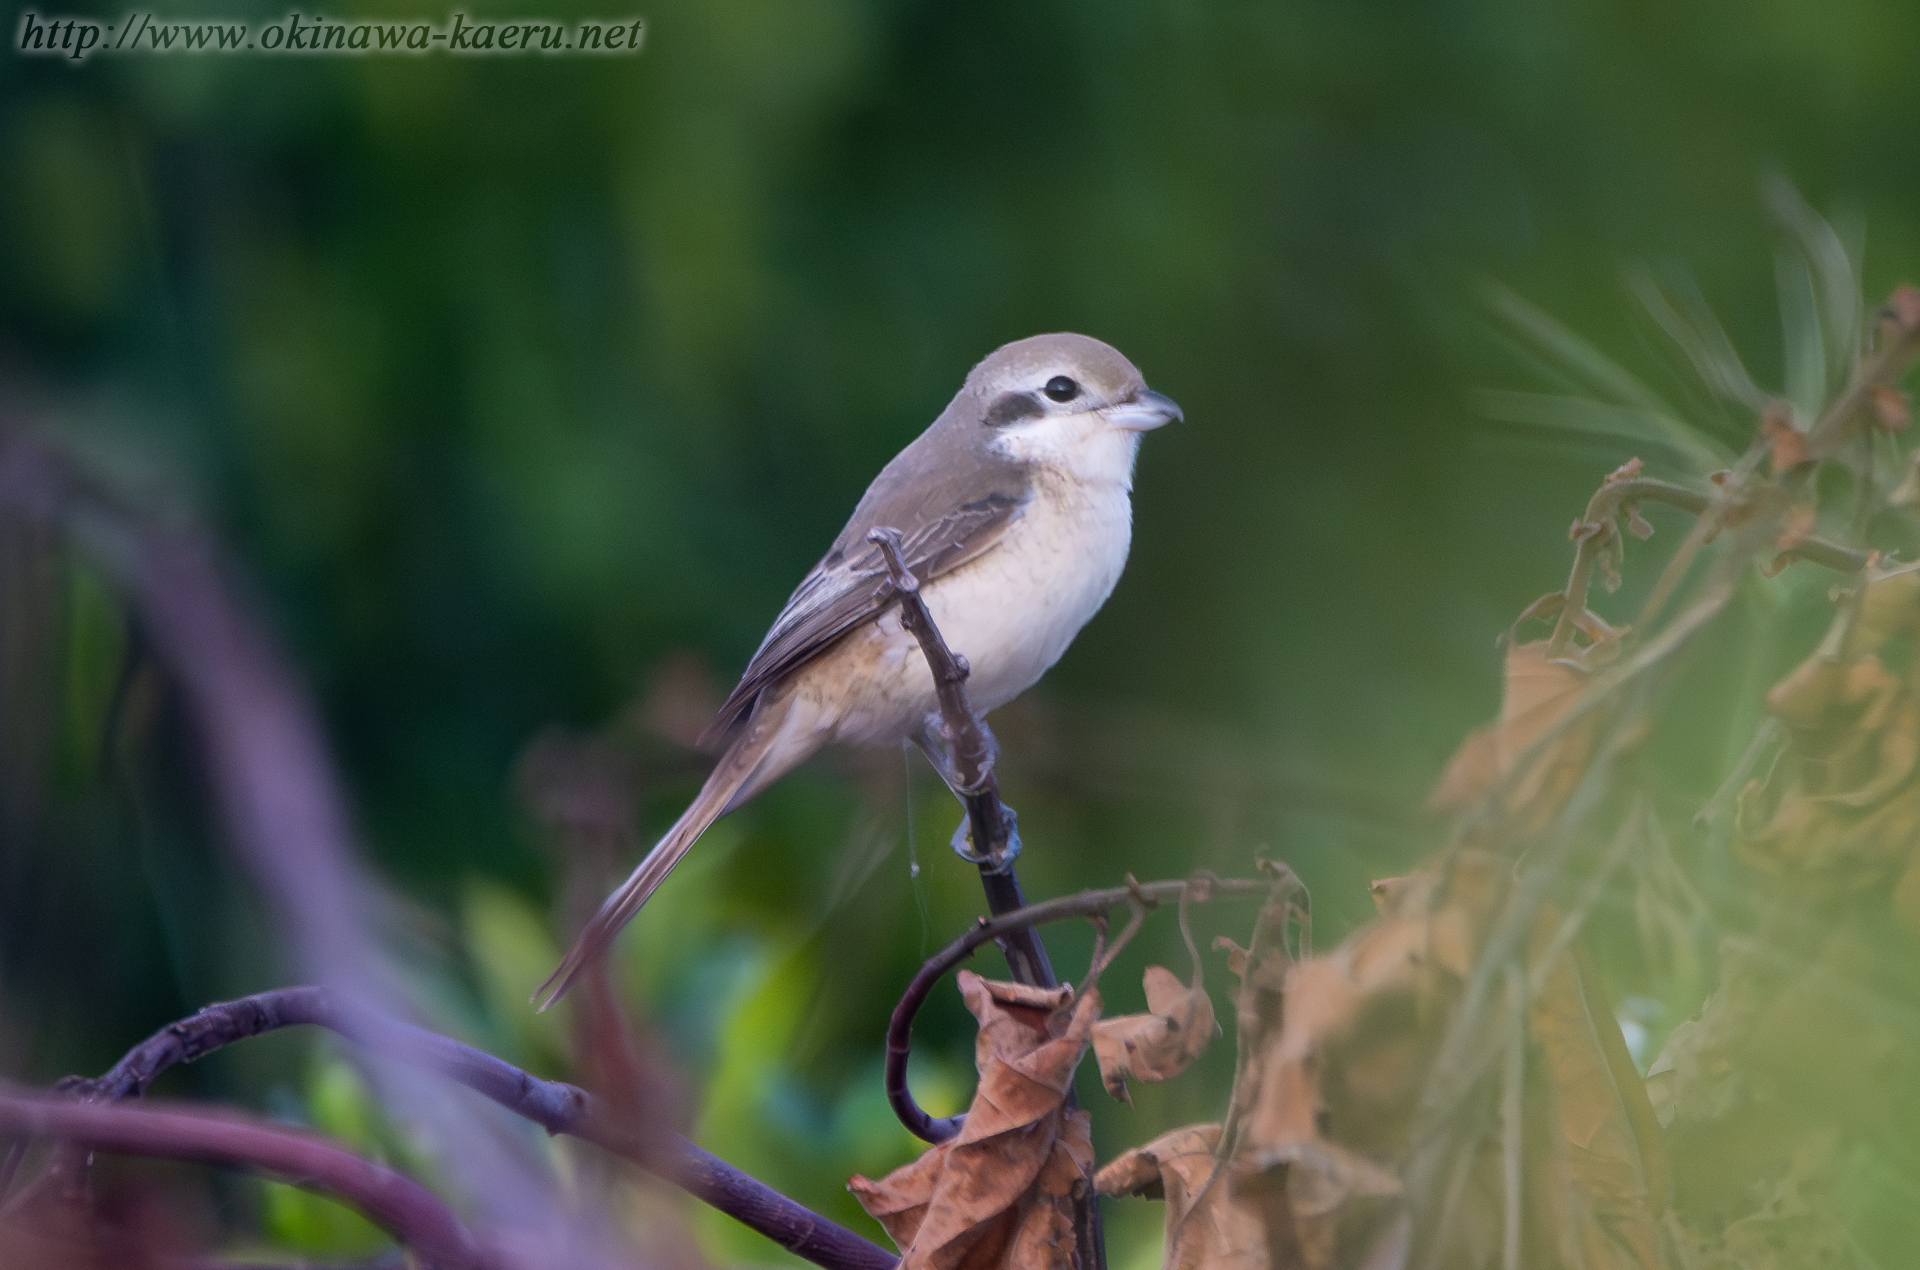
506 380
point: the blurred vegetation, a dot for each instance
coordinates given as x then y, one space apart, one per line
509 381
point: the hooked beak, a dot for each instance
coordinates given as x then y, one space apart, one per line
1142 412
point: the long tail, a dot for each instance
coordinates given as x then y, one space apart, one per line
776 740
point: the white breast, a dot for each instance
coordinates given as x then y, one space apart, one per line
1013 612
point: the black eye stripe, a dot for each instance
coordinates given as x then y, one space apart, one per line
1060 388
1012 407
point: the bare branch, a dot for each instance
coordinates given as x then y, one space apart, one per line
278 794
971 744
1595 531
555 1106
393 1201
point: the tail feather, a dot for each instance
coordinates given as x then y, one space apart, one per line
764 752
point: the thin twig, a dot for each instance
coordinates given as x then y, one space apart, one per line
1284 892
970 745
1067 907
1105 959
1595 531
1512 1100
1186 933
971 750
555 1106
1098 960
394 1202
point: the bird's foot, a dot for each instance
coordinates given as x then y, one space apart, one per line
963 844
965 781
940 757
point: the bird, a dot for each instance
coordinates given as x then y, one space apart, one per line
1014 510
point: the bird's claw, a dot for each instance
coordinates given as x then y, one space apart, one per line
963 844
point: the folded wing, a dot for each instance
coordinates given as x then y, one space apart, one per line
848 588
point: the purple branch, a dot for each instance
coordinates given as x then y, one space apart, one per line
553 1105
280 799
396 1203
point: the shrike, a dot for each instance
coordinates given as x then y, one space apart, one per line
1014 512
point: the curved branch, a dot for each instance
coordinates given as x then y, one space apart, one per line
399 1205
555 1106
1596 527
265 760
1064 908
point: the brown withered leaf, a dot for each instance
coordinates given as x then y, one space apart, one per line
1161 1043
1841 813
1611 1156
1338 1074
1341 1076
1001 1193
1469 774
1210 1226
1539 692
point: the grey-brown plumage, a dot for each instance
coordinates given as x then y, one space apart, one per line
1014 513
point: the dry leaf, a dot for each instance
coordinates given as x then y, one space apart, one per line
1841 813
1337 1075
1469 774
1340 1076
1612 1155
1540 690
1161 1043
1001 1193
1208 1226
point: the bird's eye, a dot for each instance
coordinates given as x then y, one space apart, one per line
1060 388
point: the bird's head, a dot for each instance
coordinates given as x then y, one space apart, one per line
1064 401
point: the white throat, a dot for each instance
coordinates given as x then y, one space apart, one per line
1081 448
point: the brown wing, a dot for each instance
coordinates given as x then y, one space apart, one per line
849 586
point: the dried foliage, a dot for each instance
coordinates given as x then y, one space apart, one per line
1841 812
1541 686
1002 1193
1160 1044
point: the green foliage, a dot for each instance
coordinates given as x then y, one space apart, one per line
507 378
313 1225
510 946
